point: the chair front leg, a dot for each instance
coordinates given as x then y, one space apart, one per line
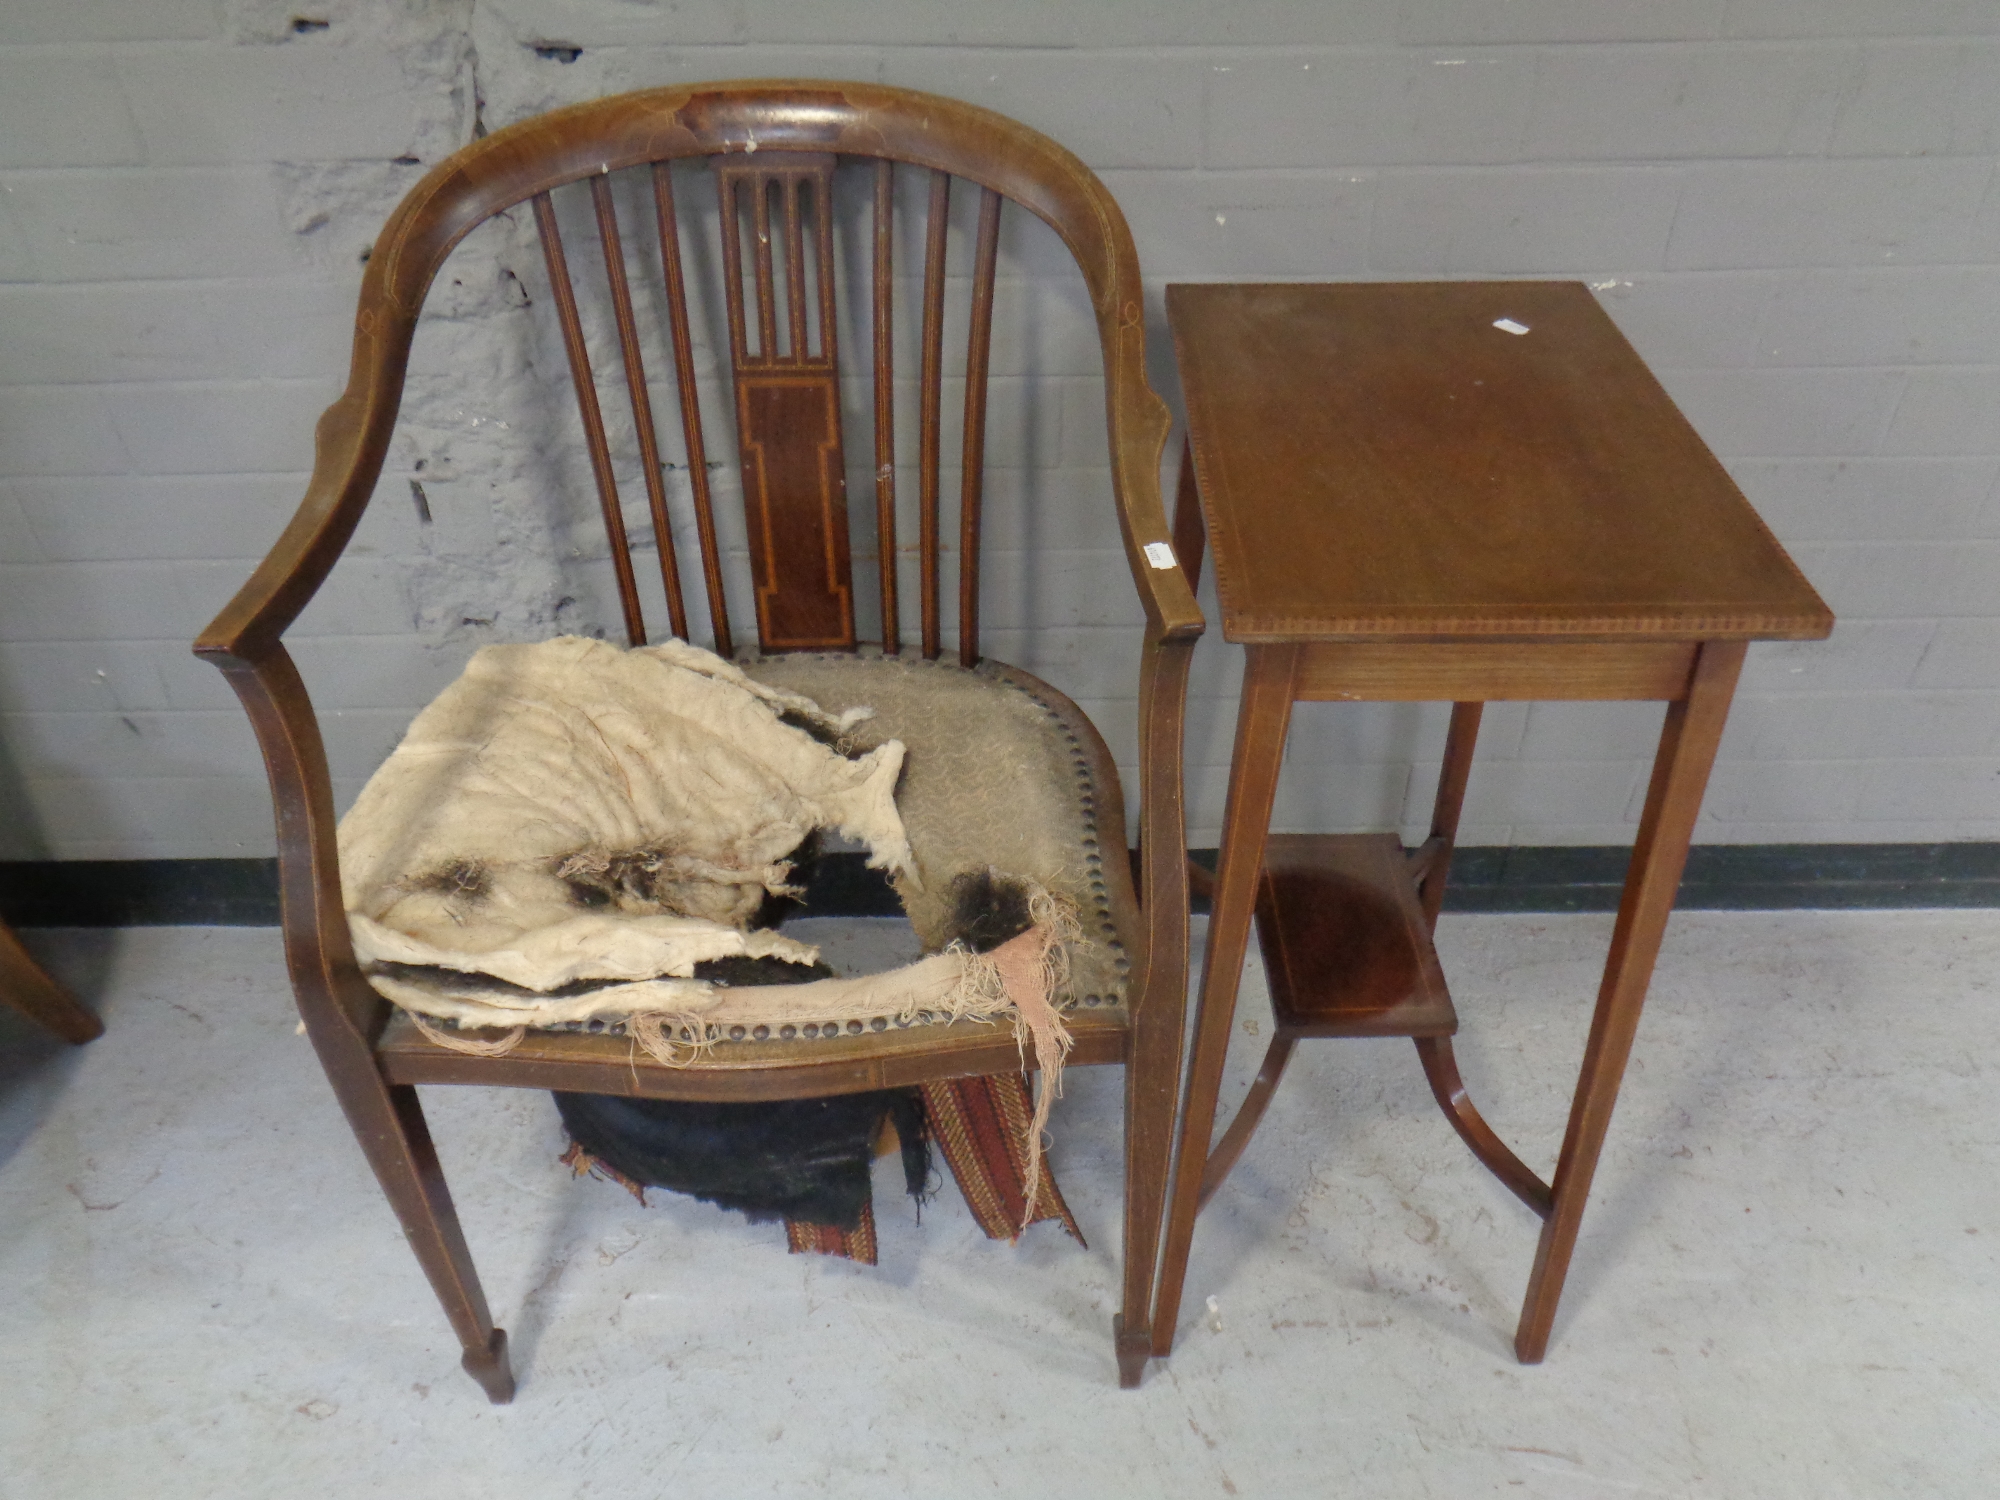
1151 1082
388 1121
343 1015
1159 992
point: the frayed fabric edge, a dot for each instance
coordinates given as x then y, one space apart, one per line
1022 976
471 1046
1030 969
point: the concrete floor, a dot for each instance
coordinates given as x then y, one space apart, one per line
1786 1285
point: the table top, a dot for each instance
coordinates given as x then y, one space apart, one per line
1381 461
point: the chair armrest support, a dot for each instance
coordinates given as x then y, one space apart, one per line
1159 996
339 1007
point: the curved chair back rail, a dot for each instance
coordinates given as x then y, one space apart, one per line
773 148
761 133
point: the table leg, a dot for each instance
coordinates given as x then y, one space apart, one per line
1680 774
1190 538
1269 676
1435 855
1236 1139
1433 864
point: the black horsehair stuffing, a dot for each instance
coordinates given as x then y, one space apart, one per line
988 908
801 1159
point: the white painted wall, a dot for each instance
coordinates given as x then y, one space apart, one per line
1791 206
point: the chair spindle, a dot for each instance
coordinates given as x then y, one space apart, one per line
933 398
593 417
684 379
765 263
797 326
642 403
978 349
885 400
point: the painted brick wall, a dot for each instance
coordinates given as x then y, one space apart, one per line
1791 206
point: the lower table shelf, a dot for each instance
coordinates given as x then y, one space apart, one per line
1346 948
1347 952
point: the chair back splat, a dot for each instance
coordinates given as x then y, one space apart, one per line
776 221
808 180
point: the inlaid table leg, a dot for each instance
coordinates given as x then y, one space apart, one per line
1434 857
1269 676
1680 774
1190 540
1236 1139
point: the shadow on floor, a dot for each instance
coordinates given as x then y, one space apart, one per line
34 1063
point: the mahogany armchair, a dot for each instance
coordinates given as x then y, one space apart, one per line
774 149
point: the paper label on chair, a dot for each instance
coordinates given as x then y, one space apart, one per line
1508 325
1160 555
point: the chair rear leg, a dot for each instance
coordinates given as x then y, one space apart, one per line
389 1122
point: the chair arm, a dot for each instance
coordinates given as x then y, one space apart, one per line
1171 611
245 642
1139 426
349 445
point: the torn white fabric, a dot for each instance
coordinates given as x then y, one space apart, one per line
571 811
570 829
615 948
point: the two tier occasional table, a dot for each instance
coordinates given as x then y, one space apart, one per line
1456 491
